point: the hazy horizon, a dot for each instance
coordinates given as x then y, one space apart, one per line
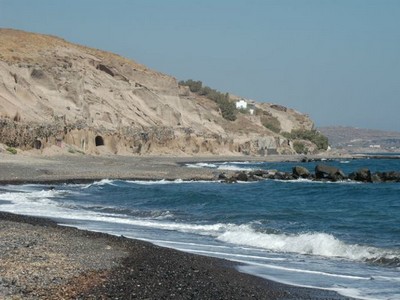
337 61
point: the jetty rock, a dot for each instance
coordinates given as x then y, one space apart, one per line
363 175
322 173
328 172
58 94
301 172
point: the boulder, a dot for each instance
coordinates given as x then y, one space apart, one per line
328 173
305 159
222 176
270 174
363 175
259 173
231 179
283 176
242 176
300 172
376 177
391 176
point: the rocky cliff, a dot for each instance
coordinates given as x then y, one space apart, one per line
53 92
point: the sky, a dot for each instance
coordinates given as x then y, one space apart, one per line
335 60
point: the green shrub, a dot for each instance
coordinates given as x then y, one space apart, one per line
12 150
268 120
299 147
194 86
227 107
313 136
271 122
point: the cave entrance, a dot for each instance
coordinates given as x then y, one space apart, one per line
99 141
37 144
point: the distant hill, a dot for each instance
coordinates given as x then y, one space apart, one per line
359 139
55 93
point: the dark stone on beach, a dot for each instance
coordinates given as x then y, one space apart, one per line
231 179
283 176
376 177
270 174
363 175
300 172
259 173
391 176
242 176
222 176
328 173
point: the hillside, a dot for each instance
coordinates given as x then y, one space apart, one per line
362 140
53 92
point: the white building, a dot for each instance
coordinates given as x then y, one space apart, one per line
241 104
252 109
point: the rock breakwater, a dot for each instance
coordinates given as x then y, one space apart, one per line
322 172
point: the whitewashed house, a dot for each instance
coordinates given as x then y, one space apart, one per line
252 109
241 104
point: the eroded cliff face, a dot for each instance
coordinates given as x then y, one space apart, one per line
56 93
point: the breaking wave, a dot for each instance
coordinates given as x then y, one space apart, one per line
232 166
312 243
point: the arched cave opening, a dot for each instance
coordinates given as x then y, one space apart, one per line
99 141
37 144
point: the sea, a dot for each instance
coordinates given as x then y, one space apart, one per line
339 236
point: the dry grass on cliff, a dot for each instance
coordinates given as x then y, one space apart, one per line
20 46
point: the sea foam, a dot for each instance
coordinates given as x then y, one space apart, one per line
314 243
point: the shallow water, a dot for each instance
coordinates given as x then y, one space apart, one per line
342 236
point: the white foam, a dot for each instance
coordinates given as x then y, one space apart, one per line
243 163
313 243
320 244
359 291
233 168
287 269
150 182
305 180
100 183
201 165
231 256
35 196
37 203
163 181
42 203
229 166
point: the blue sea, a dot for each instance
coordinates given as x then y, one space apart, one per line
341 236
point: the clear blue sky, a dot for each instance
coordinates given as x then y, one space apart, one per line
337 60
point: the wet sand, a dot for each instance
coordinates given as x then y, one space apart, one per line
41 260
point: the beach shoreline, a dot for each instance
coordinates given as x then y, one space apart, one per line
42 260
22 169
129 268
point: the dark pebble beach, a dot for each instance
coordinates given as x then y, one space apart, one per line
42 260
